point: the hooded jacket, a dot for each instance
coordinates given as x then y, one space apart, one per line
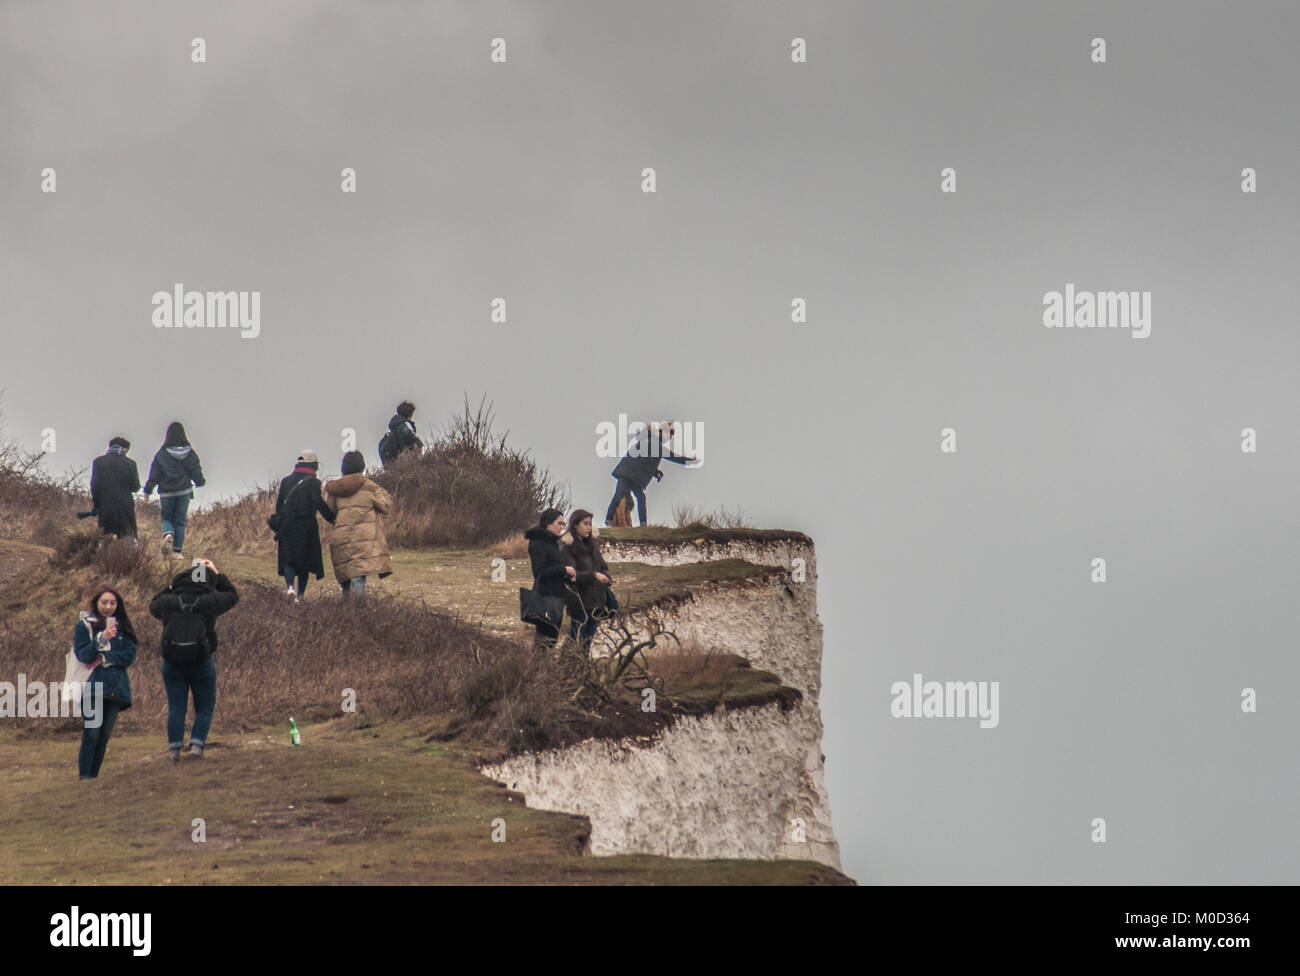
547 562
210 600
357 543
173 471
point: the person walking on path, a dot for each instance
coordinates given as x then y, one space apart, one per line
640 466
357 545
550 574
188 609
590 598
105 640
175 472
298 550
114 480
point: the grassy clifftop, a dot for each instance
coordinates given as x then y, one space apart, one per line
352 805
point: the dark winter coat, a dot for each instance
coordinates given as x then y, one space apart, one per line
404 437
547 561
173 471
119 656
114 479
584 556
211 599
299 537
642 470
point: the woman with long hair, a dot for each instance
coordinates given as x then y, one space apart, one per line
175 472
105 640
589 599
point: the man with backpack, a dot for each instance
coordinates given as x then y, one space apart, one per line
401 434
188 609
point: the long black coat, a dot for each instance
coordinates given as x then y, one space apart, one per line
584 556
547 561
299 537
114 479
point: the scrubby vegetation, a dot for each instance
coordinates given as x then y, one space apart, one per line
403 658
468 488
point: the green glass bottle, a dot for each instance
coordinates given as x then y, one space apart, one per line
295 739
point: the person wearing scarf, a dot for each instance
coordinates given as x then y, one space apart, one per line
298 550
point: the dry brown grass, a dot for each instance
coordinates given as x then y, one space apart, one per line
515 547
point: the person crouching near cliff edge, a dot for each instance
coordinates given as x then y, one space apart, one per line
590 600
640 466
188 609
357 545
550 574
104 640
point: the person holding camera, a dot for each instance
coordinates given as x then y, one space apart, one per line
105 640
188 609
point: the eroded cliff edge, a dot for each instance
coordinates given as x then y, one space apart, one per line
742 782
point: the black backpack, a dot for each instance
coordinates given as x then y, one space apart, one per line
388 448
185 635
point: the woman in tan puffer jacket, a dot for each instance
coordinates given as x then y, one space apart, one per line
357 545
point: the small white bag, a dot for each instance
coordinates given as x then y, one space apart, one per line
75 672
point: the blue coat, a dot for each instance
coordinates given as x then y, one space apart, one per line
119 656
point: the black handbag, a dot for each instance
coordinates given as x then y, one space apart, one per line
273 520
537 609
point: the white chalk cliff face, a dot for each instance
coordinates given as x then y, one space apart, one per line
742 782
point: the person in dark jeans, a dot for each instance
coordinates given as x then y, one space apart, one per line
640 466
104 639
589 599
209 594
549 570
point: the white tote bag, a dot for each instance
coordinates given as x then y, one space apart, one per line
75 673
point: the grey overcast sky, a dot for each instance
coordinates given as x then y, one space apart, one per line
776 180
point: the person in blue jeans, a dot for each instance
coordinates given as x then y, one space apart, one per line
105 640
203 593
175 472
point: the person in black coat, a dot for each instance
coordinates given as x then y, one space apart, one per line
209 593
590 599
549 570
401 434
114 480
298 553
640 465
